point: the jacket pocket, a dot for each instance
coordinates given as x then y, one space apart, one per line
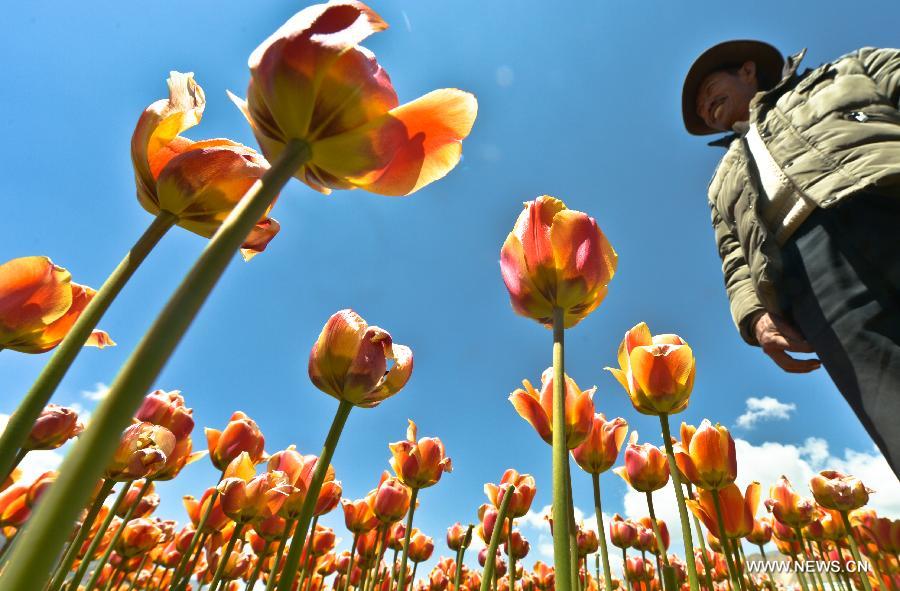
861 116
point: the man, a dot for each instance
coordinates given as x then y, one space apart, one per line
806 210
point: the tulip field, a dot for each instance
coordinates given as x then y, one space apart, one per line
325 113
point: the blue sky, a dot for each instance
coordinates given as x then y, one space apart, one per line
581 103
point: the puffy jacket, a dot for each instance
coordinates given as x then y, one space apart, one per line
834 130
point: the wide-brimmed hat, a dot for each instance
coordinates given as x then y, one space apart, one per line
769 63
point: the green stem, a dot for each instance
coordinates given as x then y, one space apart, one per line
490 562
807 550
832 581
682 508
601 529
47 530
95 543
349 571
282 544
305 575
192 563
394 572
707 573
401 580
179 581
467 539
152 574
260 560
723 539
413 579
379 557
309 502
771 582
138 572
223 558
72 552
666 573
574 561
561 510
112 578
625 570
23 419
512 555
118 534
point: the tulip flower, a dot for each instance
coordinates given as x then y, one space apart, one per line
358 516
456 535
140 500
787 506
142 452
737 510
139 536
419 464
390 501
587 541
543 576
646 469
537 409
761 533
599 451
350 361
420 547
257 499
516 545
311 82
240 435
198 183
180 457
217 519
525 489
55 426
660 526
299 470
706 456
622 532
556 258
838 491
657 371
167 409
322 541
638 569
39 304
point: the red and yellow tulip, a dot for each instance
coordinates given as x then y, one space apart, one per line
311 81
601 448
142 452
738 510
556 257
537 409
656 371
419 464
787 506
839 491
241 434
707 456
646 468
39 304
55 426
522 496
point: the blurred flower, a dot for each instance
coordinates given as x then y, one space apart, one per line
543 576
456 535
537 409
143 506
556 257
487 517
54 426
646 467
706 456
622 532
358 516
390 501
762 531
887 534
241 434
199 182
180 457
167 409
138 536
419 464
521 500
839 491
663 532
587 541
396 535
518 544
350 361
787 506
322 540
39 304
142 452
656 371
601 448
638 569
420 547
737 510
310 81
217 519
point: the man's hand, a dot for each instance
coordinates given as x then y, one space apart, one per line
776 336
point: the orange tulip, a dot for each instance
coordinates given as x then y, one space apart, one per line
537 409
199 182
543 576
310 81
259 498
520 546
656 371
646 523
142 452
138 536
522 498
645 540
556 257
456 535
167 409
55 426
638 569
196 509
419 464
299 469
601 448
706 456
838 491
737 510
887 534
358 516
421 547
17 501
390 501
487 517
144 506
39 304
240 435
762 531
787 506
322 541
587 541
646 467
180 457
622 532
350 361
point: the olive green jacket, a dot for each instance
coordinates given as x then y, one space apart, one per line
834 130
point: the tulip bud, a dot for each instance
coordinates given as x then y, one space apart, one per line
663 532
537 409
656 371
390 501
762 531
138 536
456 536
240 435
419 464
622 533
143 506
600 450
142 452
519 546
646 467
167 409
556 258
323 541
421 547
838 491
522 498
39 304
311 82
787 506
54 426
350 361
358 516
196 509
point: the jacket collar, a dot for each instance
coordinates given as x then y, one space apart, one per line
787 75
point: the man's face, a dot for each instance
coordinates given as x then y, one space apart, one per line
724 97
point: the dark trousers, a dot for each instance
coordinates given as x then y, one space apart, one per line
841 286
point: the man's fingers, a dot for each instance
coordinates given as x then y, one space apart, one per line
792 365
794 337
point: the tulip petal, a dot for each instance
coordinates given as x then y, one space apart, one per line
395 378
33 293
528 405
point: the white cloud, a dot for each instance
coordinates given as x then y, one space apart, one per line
98 393
766 408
